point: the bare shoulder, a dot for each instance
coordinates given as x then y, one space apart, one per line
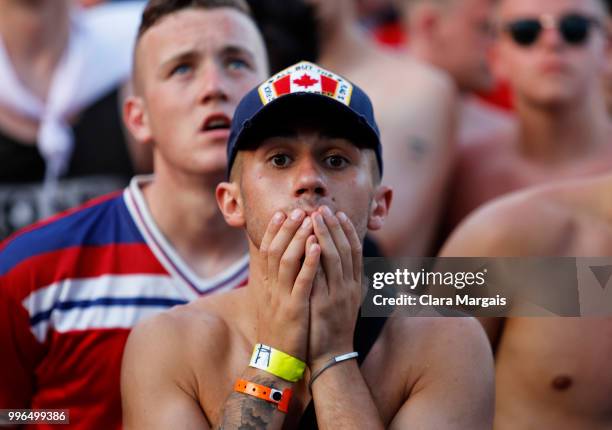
172 342
399 75
438 338
423 73
428 83
159 387
528 222
179 328
452 368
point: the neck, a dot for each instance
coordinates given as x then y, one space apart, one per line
185 210
35 34
563 133
344 46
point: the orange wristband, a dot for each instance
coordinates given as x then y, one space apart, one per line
281 398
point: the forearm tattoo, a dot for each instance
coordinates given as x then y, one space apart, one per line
246 412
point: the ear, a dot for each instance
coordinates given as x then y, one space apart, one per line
230 203
380 207
136 119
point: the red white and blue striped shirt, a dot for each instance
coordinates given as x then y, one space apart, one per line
71 288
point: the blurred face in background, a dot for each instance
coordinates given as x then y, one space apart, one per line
552 51
464 39
607 83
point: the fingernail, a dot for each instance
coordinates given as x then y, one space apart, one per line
318 218
327 210
296 214
278 217
306 223
342 216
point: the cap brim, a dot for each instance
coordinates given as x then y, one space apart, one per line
315 109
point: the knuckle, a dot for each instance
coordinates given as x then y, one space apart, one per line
275 252
344 248
287 259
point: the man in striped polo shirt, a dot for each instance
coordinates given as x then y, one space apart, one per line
72 287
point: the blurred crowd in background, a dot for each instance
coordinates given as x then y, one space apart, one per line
475 99
64 68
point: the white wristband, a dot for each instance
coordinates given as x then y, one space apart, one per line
332 362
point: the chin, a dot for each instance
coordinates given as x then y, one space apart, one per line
209 168
210 160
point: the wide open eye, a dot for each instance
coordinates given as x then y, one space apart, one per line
237 64
336 161
181 69
280 160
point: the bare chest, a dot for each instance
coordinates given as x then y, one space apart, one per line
562 365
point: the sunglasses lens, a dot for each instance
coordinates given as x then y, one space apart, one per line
575 29
525 32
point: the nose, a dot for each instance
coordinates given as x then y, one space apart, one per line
310 181
551 36
214 85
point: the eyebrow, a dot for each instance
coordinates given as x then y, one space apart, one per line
193 54
237 50
188 55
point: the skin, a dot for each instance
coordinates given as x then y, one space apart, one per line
416 108
316 196
552 72
563 130
550 372
191 66
211 60
455 36
35 34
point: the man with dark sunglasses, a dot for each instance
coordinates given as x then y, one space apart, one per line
553 55
551 372
573 28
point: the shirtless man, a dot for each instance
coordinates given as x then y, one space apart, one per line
415 108
554 63
456 36
551 373
305 184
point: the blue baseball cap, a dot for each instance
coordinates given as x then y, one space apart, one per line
304 90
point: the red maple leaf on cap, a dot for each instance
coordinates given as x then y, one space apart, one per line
305 81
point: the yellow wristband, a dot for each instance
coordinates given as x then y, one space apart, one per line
277 363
